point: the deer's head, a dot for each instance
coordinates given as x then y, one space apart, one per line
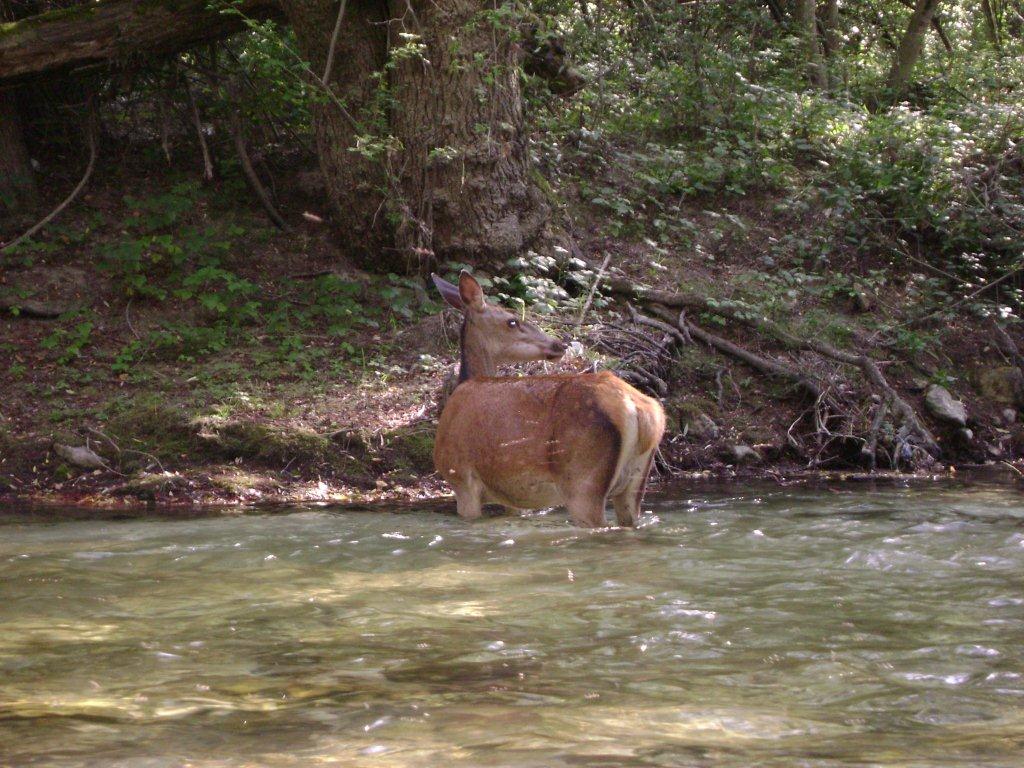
492 335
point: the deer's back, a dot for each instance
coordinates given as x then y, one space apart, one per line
536 429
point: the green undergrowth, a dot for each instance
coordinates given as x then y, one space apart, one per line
699 116
168 257
411 448
148 431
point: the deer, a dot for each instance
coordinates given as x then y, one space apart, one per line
532 442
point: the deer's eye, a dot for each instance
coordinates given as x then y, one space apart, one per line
513 324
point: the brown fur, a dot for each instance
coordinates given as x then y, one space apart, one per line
543 441
539 441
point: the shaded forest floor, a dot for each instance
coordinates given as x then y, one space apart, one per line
204 356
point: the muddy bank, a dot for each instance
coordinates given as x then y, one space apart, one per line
403 478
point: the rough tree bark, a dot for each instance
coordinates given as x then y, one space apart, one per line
355 183
805 16
991 25
17 182
465 187
829 13
456 185
910 47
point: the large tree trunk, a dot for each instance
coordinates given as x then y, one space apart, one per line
456 184
808 28
991 25
110 30
910 47
466 192
17 183
829 13
356 182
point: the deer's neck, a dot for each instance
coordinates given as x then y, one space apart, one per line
474 360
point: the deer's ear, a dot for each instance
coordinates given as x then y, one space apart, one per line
470 291
449 292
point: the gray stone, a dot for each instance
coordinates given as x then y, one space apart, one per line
54 288
701 427
742 454
82 456
944 406
1009 416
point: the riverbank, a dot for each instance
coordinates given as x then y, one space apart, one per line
189 494
199 356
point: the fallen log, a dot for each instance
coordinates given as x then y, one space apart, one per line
112 31
759 363
733 311
30 308
120 31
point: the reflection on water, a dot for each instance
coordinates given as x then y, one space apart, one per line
812 628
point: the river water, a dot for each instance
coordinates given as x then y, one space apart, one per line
745 627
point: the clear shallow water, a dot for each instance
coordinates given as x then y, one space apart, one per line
763 627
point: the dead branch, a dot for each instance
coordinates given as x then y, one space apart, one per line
253 178
761 364
92 131
671 330
869 368
326 79
120 451
198 123
593 290
655 382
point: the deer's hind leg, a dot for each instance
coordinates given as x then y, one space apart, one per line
586 492
587 510
468 497
627 500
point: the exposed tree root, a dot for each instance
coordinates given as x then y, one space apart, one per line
765 365
870 449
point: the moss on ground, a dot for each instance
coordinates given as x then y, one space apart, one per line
152 426
267 442
684 408
411 448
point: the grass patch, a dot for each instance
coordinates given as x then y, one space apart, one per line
267 442
411 448
151 425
